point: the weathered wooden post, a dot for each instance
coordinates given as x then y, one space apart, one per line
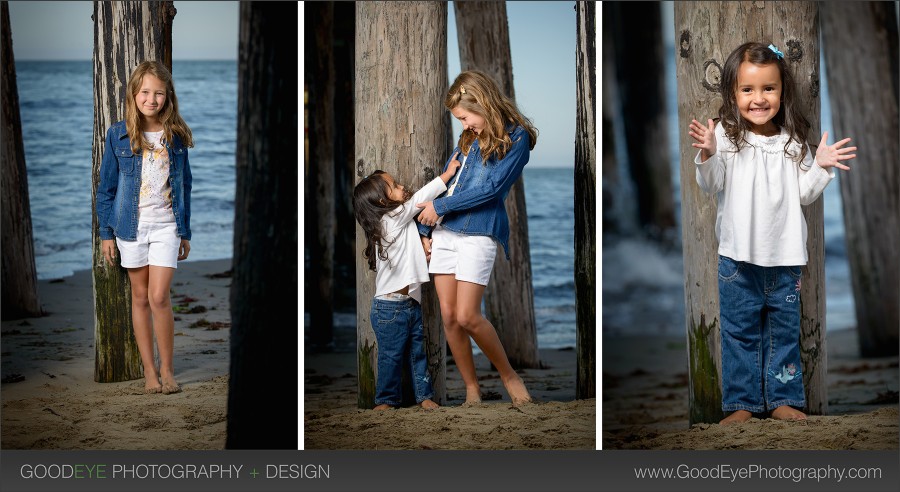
264 287
706 33
125 34
320 172
483 34
345 168
19 282
862 77
611 181
401 128
585 199
637 32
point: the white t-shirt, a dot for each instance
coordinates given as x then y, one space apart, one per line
406 264
760 190
156 193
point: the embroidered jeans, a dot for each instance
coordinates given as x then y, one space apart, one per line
401 340
760 317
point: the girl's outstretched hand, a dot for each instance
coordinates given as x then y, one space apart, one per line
832 155
705 137
451 168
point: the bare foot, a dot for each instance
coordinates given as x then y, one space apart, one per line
429 405
517 391
736 418
473 396
787 412
383 406
169 385
150 388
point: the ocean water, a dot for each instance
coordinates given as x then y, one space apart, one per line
550 201
57 110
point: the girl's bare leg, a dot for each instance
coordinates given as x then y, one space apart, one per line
143 327
457 337
468 316
163 324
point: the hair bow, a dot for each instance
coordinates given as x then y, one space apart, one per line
777 53
462 89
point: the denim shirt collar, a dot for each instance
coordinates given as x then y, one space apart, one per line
123 134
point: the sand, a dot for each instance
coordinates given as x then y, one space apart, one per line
50 399
557 421
645 402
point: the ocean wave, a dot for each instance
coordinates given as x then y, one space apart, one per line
630 262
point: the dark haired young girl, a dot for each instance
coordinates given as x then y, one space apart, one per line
395 253
756 160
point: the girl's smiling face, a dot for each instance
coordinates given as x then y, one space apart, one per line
758 95
151 97
469 120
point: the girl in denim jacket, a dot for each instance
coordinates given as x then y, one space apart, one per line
757 163
470 217
144 210
394 252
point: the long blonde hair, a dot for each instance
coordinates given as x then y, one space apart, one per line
476 92
169 116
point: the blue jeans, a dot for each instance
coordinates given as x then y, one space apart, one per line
760 316
401 340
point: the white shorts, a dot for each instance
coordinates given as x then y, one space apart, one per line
156 244
470 258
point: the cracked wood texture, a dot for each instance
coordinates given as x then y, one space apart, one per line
19 277
125 34
585 200
401 128
706 33
862 78
483 35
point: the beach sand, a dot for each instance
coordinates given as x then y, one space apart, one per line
645 402
556 421
50 399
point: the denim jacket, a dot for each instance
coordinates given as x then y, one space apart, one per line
118 194
476 206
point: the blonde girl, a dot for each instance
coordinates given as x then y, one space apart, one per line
144 210
462 227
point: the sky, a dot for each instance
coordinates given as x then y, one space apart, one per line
65 31
543 64
542 42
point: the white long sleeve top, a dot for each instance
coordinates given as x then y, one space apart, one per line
406 264
760 190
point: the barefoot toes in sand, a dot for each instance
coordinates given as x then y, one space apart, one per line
517 391
170 386
786 412
736 417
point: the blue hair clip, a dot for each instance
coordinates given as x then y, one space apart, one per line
777 53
